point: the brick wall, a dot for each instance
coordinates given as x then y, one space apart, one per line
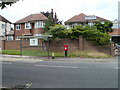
58 45
108 49
15 45
80 45
9 45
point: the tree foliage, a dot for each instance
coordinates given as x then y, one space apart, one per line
96 37
88 32
105 27
74 32
57 31
49 23
4 4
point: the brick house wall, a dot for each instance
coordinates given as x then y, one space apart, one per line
19 32
24 31
37 31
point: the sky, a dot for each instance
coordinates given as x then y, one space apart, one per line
65 9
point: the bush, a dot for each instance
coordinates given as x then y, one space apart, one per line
57 31
88 32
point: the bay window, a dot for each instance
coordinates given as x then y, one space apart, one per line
39 24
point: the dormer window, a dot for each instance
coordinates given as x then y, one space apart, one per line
27 26
90 17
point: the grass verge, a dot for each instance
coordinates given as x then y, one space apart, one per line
89 54
83 54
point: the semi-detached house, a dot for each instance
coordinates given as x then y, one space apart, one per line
32 25
5 29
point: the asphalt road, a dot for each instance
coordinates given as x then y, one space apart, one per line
60 74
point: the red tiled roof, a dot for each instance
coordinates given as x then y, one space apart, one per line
115 32
4 19
32 17
81 18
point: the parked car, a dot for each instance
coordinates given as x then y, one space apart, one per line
117 46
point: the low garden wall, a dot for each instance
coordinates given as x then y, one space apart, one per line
58 45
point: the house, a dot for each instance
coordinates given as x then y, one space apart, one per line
32 25
83 20
5 27
115 34
116 28
10 35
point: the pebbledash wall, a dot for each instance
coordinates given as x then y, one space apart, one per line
58 45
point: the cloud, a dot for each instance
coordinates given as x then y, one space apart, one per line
65 8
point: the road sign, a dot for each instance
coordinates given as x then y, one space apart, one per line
34 42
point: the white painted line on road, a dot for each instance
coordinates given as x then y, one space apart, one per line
5 63
3 87
57 66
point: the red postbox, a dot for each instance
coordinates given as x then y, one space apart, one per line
65 47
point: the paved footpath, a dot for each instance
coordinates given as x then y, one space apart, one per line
35 59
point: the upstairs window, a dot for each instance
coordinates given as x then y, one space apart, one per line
18 27
39 24
27 26
3 28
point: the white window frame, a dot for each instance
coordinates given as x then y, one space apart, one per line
10 38
90 17
18 27
39 24
3 28
27 25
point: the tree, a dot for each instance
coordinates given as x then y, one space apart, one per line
105 28
74 32
49 23
7 2
89 33
47 14
52 20
96 37
57 31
